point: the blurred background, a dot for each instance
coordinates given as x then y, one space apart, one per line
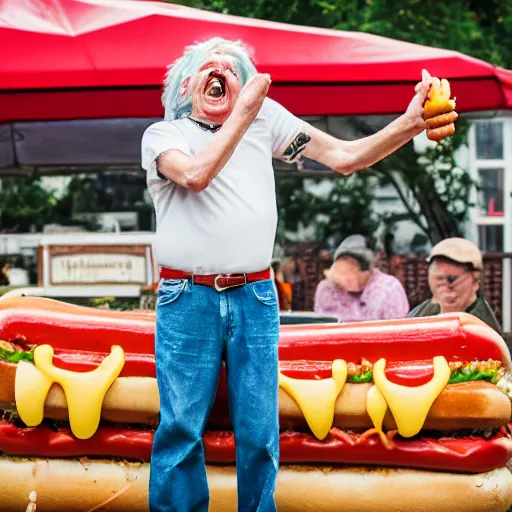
80 80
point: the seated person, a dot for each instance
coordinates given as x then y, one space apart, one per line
354 291
455 265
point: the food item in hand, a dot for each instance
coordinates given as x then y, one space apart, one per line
439 110
334 454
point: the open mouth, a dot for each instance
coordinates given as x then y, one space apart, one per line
215 85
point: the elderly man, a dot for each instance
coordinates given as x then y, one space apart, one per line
354 291
209 172
454 271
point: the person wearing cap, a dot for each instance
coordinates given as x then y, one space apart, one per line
455 267
354 290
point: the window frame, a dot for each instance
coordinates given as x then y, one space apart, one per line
476 217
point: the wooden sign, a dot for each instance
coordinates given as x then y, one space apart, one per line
95 264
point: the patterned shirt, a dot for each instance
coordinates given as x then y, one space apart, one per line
383 298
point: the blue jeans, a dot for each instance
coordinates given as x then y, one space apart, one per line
196 328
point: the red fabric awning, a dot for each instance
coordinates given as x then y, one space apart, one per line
80 59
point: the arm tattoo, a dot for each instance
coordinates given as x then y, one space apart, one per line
296 147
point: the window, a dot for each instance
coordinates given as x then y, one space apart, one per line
491 192
490 163
491 238
489 140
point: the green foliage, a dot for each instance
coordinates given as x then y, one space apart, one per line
115 303
24 203
477 28
434 190
341 208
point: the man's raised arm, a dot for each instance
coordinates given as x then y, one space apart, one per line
347 157
197 172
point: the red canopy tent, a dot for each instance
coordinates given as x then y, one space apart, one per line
84 59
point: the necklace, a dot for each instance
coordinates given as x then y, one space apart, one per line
205 126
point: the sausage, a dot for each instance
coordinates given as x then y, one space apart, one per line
440 133
442 120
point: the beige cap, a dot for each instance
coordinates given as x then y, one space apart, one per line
459 250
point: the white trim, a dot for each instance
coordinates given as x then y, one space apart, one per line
490 221
507 230
490 164
75 291
506 297
123 238
149 267
46 266
475 164
507 184
506 220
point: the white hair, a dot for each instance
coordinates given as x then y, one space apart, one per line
177 105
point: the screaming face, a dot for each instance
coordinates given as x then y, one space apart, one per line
214 89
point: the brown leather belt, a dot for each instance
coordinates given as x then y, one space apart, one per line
218 281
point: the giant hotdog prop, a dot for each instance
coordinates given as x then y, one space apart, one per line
409 414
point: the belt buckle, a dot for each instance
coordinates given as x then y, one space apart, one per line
223 276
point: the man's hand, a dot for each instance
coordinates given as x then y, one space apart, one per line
415 109
251 97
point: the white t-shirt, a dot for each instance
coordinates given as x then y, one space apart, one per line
230 226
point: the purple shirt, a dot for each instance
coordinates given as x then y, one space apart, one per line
383 298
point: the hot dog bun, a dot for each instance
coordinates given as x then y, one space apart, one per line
438 99
73 485
475 405
136 400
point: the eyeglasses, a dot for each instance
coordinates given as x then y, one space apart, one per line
450 278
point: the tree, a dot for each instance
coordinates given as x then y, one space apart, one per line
434 190
24 205
482 29
343 207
